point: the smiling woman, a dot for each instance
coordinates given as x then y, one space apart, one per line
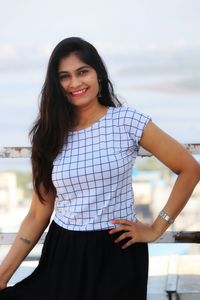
79 81
84 145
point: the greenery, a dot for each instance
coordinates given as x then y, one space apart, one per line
24 181
149 164
153 164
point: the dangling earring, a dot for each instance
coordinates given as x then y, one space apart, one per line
99 92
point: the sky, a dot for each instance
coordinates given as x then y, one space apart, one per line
111 25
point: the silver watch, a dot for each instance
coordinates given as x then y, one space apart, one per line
166 217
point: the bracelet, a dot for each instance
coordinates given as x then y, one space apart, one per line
166 217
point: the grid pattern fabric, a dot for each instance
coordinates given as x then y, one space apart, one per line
93 171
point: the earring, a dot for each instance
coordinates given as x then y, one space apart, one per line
99 92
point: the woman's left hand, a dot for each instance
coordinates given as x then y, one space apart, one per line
137 232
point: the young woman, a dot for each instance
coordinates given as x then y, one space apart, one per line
84 145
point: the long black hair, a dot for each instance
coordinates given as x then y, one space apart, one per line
56 114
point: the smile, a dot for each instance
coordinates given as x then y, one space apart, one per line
79 93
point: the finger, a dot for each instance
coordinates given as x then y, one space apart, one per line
123 236
118 229
129 243
122 221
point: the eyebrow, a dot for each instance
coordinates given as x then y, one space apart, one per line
83 67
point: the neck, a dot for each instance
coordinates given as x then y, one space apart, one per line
87 114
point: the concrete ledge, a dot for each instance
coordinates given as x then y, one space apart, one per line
175 275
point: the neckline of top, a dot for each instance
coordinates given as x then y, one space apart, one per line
93 124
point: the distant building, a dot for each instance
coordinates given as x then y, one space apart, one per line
8 190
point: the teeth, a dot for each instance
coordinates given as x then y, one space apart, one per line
79 92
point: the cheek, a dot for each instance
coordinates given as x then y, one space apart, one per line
94 83
64 85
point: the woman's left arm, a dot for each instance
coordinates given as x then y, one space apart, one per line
181 162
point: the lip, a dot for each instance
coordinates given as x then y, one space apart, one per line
79 93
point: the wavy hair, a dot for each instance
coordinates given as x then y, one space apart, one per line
56 113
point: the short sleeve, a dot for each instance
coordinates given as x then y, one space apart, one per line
137 122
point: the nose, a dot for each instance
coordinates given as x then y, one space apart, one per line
74 82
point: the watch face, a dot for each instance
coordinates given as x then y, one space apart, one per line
166 217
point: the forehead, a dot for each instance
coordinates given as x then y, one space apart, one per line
70 63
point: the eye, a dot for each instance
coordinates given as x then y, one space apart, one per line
64 76
83 72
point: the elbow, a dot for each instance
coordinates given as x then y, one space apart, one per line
194 171
42 219
198 171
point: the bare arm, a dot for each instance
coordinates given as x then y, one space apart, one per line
29 233
176 158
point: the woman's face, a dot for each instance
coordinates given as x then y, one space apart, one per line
79 80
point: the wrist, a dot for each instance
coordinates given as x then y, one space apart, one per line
160 225
5 273
166 217
3 281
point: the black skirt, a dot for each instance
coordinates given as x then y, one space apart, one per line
84 265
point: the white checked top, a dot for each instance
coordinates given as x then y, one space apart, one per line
93 172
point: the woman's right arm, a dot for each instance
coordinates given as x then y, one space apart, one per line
29 233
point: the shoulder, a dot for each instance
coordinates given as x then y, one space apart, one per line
122 111
128 114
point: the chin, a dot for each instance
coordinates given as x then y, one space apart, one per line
81 102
